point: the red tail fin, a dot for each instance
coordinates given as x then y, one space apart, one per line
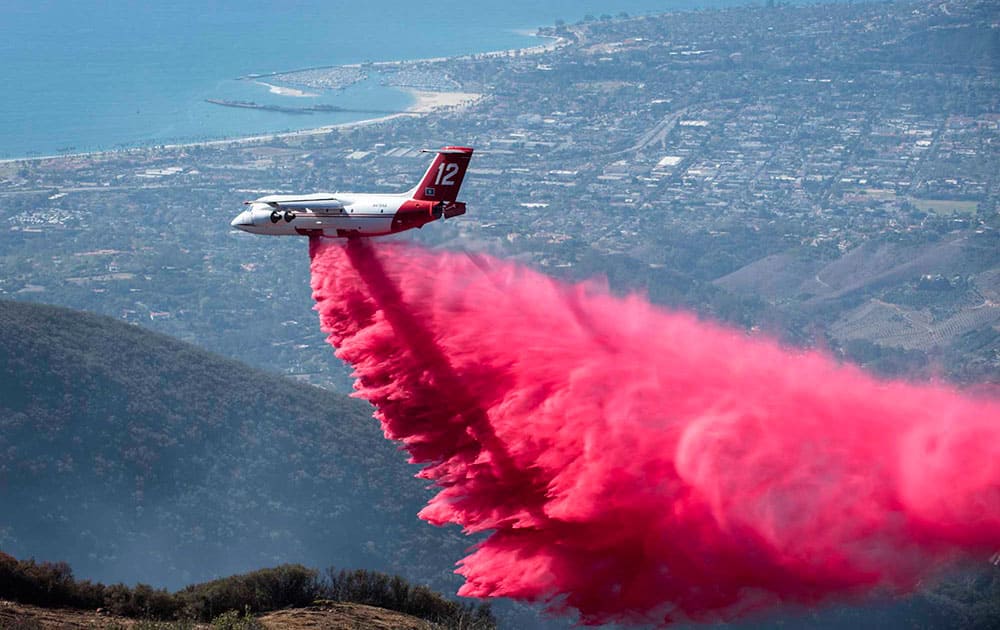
444 177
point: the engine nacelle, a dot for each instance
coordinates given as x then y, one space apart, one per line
415 214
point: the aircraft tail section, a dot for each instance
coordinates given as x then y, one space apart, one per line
444 177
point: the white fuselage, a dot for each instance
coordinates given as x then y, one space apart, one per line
348 215
325 214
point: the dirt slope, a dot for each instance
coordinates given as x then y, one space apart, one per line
342 615
14 616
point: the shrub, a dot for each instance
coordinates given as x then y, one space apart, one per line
141 602
46 584
232 620
260 591
394 593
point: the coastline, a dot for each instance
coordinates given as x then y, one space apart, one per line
557 42
425 102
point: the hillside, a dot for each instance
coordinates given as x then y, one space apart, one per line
342 615
15 615
138 458
894 306
46 594
334 616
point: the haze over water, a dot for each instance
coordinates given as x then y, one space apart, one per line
108 75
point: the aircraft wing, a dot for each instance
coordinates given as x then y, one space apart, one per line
307 204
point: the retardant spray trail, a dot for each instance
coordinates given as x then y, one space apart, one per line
638 465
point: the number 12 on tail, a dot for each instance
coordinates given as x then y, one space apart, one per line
446 174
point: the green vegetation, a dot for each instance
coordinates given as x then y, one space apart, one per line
231 603
233 620
260 591
52 585
945 206
972 601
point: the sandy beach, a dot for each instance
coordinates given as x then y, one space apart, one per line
427 101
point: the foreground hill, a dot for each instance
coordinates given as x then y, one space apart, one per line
138 458
342 615
15 615
46 594
333 615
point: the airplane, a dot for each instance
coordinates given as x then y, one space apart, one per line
347 215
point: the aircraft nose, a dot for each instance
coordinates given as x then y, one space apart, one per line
242 221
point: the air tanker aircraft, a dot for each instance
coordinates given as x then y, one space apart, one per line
349 215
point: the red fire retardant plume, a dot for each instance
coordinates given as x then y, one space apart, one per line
638 465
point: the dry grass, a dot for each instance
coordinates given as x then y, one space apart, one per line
332 615
344 616
14 616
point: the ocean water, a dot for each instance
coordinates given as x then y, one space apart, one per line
87 76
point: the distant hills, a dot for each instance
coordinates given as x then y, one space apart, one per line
905 309
138 458
961 45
